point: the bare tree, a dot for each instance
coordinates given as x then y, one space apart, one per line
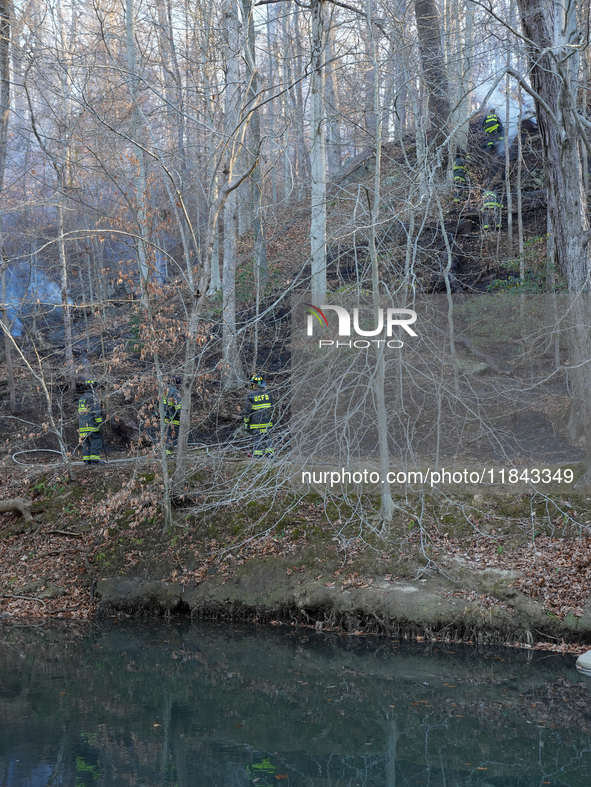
5 15
318 155
232 373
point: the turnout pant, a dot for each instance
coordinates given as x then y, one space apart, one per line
172 437
460 191
262 445
91 447
492 218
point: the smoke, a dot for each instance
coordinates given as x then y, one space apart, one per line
30 294
497 102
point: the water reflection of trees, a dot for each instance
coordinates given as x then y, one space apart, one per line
167 705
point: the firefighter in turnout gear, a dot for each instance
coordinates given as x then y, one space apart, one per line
90 419
258 417
460 173
493 130
492 211
172 413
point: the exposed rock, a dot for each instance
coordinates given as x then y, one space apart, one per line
584 662
472 367
42 589
52 591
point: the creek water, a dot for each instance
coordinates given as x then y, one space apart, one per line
194 704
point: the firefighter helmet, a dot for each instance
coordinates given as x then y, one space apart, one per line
257 381
89 383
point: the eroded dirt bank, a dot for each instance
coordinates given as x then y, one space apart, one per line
467 605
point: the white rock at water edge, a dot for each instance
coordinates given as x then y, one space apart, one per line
584 662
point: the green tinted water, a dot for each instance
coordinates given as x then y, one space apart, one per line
194 704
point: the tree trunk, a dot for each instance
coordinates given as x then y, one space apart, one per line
256 180
318 158
66 315
210 90
304 165
232 374
552 79
518 190
272 59
370 77
466 78
386 502
5 13
288 169
63 172
433 66
7 342
508 165
332 100
139 176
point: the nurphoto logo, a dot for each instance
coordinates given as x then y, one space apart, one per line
401 317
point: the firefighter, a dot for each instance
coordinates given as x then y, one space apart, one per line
172 413
493 131
492 211
90 419
258 417
460 173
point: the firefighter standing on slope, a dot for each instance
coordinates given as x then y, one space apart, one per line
172 413
90 419
460 173
493 131
258 417
492 211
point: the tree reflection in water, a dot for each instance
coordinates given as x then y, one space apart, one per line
196 703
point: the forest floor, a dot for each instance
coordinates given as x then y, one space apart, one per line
504 570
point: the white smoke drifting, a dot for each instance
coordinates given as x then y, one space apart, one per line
30 292
497 102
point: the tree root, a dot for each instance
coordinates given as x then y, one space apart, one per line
17 504
26 598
